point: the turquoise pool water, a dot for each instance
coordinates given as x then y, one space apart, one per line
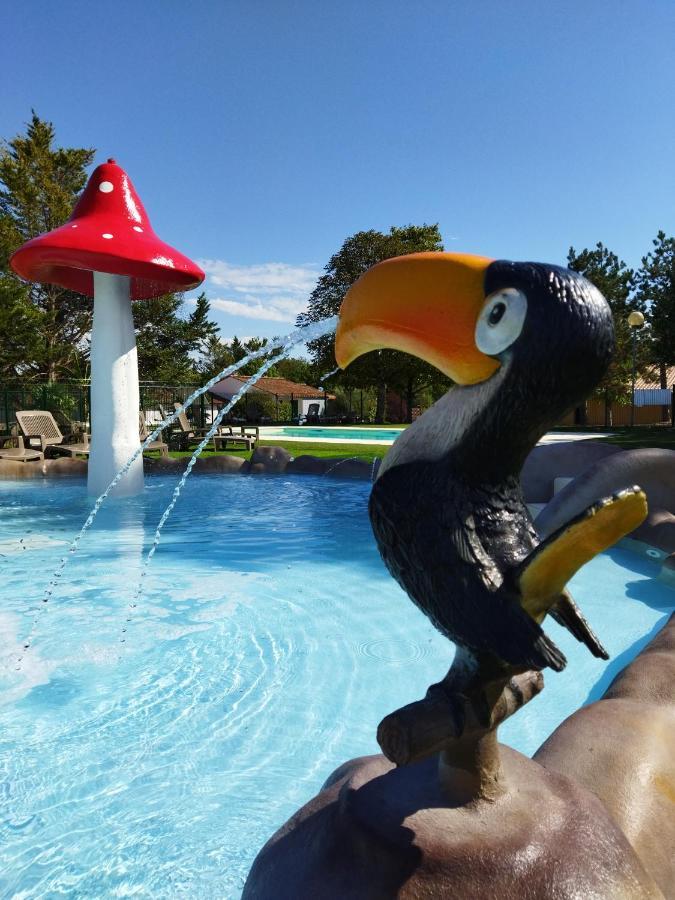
154 762
343 434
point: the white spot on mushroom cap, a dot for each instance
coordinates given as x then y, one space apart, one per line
138 228
107 236
73 226
106 186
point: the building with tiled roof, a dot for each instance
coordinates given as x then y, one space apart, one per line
651 380
304 399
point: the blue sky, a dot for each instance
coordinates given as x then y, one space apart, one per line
261 133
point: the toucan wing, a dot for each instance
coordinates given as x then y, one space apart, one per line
542 576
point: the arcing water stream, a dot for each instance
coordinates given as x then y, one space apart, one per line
285 345
193 459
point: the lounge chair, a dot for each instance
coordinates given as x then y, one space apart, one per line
313 415
245 436
18 453
143 434
40 432
183 433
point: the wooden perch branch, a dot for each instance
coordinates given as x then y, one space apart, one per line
429 726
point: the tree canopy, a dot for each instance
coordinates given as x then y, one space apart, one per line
44 326
615 281
407 374
655 292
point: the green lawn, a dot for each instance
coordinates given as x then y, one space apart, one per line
628 438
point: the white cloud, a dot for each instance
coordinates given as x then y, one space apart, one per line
243 338
256 310
276 292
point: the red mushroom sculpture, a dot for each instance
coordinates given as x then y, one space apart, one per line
108 250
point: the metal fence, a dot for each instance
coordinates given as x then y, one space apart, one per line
70 403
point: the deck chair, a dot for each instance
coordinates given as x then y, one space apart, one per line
143 434
313 414
18 453
246 436
39 431
184 432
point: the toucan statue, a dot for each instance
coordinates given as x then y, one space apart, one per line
446 811
523 343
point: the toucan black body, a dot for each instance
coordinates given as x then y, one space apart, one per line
447 509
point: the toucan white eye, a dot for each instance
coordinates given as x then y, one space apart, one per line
500 321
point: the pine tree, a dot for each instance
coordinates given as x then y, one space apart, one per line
44 326
169 344
614 280
655 283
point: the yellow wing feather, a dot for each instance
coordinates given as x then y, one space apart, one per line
553 563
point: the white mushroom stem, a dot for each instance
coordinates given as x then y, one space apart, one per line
115 399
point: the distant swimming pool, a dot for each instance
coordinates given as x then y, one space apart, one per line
152 758
362 435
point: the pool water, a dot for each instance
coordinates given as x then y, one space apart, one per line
155 761
343 434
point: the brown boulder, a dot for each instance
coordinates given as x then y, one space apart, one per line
590 816
621 748
348 467
224 464
65 465
10 468
161 465
377 832
268 460
307 465
565 459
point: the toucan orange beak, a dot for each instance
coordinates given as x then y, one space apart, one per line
425 304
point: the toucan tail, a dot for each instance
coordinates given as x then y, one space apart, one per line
567 613
547 654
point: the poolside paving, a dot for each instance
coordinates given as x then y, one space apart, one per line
271 432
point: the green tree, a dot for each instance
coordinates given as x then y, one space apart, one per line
215 356
44 326
167 341
614 280
295 369
381 368
655 284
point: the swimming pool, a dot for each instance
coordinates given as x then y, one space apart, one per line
156 761
343 435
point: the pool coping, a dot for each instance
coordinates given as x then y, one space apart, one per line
269 432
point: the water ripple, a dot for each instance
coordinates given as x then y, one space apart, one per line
269 644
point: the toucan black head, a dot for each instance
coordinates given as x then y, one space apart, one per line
527 341
550 326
